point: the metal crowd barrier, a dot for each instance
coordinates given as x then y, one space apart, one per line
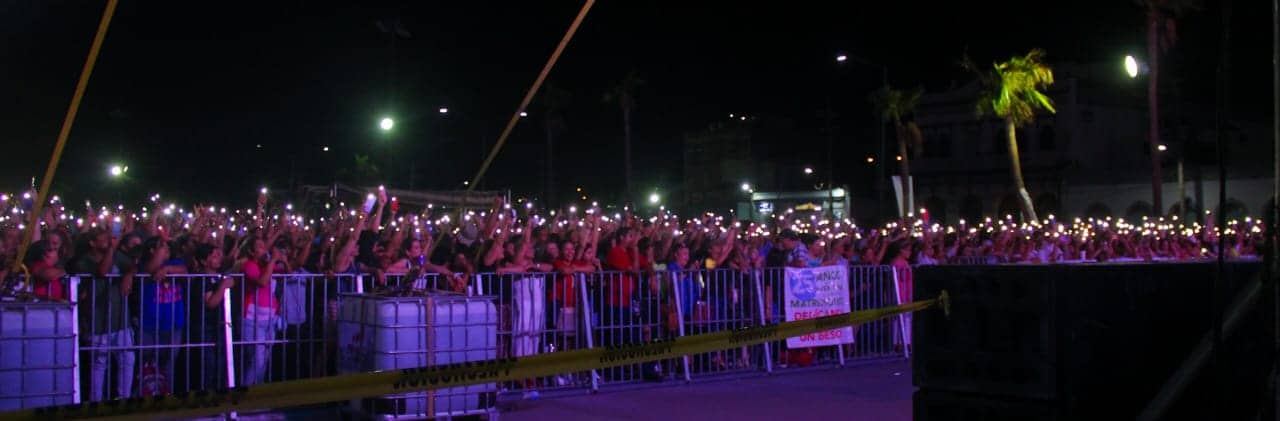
287 331
713 301
539 313
193 332
976 260
199 332
869 287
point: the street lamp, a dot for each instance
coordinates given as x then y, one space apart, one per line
1134 67
654 198
746 187
386 124
117 170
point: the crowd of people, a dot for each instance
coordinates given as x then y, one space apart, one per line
380 238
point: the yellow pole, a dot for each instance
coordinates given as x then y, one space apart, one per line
528 96
515 117
42 194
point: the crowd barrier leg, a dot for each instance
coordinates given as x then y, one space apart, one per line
675 286
589 331
230 365
762 317
904 330
74 294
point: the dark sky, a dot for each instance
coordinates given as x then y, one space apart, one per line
185 93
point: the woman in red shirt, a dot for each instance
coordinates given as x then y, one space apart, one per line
42 264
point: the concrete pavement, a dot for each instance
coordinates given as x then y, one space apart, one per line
878 391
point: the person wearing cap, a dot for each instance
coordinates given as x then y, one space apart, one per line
787 252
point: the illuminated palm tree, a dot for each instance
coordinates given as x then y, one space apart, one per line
892 105
1011 91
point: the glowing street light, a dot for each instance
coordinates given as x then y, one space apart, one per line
386 124
1134 67
808 170
654 198
746 186
118 170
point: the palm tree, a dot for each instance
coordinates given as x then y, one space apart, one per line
892 105
363 172
553 101
1011 91
1162 27
624 95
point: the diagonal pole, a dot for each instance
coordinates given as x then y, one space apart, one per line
83 84
515 117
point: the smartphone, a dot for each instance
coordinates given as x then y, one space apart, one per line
115 228
368 202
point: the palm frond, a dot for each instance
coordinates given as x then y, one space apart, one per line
1016 95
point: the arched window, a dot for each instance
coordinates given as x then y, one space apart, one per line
937 209
1137 210
1097 210
971 208
1047 204
1235 209
1186 209
1009 206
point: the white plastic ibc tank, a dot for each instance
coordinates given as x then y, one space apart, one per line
37 355
463 329
388 333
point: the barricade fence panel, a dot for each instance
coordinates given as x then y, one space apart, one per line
869 287
539 313
627 308
144 336
715 301
285 328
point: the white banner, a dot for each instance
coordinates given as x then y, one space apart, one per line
815 292
897 194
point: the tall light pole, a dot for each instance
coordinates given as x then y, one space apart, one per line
117 173
879 163
1135 67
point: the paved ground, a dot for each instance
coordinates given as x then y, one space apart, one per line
880 391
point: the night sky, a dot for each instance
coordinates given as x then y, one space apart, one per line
184 95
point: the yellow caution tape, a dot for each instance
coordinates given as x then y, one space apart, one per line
354 386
